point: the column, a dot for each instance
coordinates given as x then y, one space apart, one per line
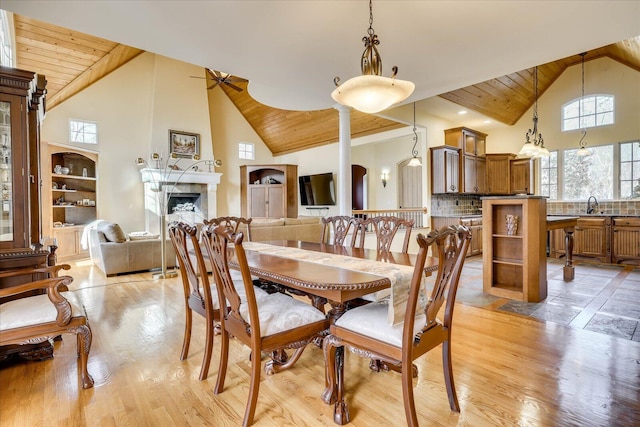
344 171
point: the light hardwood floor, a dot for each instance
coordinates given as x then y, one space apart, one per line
509 370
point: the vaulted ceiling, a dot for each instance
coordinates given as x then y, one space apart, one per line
72 61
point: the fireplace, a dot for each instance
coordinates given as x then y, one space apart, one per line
192 199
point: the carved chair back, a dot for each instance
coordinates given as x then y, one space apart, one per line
338 226
385 228
233 223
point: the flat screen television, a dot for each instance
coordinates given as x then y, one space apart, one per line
317 190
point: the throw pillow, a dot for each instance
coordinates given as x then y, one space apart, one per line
142 235
112 232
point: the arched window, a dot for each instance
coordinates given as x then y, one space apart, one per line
587 112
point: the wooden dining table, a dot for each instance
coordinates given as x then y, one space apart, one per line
337 285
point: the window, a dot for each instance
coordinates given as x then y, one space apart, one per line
588 176
549 176
630 170
83 131
246 151
6 47
587 112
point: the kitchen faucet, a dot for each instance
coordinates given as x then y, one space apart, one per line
592 207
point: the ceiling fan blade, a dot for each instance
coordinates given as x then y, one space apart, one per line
235 79
234 87
198 77
216 83
213 76
218 75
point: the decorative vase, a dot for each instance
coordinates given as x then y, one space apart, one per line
512 224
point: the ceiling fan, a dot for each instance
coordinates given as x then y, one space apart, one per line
218 78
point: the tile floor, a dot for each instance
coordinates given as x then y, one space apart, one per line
602 298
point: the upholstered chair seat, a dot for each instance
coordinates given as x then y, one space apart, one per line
35 310
371 320
278 312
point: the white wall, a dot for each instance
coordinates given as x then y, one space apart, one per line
135 106
602 76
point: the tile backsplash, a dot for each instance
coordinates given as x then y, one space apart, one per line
468 204
455 204
617 207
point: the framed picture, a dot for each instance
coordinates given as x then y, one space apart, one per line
184 144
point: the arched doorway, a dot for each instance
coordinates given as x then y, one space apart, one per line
358 187
409 185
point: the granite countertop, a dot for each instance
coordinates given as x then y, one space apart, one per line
597 215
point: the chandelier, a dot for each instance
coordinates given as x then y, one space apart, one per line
370 92
583 151
534 143
415 161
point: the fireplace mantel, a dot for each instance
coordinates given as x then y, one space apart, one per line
159 176
159 184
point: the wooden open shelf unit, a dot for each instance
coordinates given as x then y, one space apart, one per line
515 266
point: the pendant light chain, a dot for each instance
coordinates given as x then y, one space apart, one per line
414 152
582 144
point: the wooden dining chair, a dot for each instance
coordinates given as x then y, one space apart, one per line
366 330
199 297
264 325
338 227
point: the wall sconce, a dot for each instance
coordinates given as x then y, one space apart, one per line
385 177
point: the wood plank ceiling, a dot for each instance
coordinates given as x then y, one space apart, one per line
72 61
507 98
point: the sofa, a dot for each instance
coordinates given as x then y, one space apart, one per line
304 228
113 252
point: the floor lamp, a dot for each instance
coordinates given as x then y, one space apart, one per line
171 175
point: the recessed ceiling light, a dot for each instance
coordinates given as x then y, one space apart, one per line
462 112
487 121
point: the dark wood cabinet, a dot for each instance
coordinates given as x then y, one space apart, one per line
269 191
21 110
445 170
498 173
522 176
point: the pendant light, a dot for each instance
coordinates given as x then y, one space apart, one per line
534 144
583 151
370 92
415 161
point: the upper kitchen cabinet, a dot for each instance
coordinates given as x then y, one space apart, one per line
445 170
472 142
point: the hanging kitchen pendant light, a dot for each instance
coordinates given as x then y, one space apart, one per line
534 144
583 151
415 161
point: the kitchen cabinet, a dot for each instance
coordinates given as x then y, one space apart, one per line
445 170
591 240
514 264
498 173
473 223
474 173
471 142
522 176
625 240
473 148
269 191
